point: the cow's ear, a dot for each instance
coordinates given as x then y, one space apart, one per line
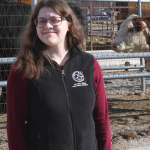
138 25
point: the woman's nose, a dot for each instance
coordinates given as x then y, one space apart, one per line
48 25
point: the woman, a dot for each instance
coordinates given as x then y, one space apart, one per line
55 92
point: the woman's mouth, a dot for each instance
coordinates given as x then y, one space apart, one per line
49 32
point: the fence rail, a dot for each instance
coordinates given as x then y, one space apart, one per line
141 75
7 60
100 55
127 75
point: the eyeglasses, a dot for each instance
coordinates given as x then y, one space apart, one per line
55 21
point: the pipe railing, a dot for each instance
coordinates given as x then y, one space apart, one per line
98 56
141 75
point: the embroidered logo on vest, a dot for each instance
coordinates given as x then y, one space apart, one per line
78 76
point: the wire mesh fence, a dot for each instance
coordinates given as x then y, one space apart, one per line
129 107
13 19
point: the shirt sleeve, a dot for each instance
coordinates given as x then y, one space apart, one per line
17 103
100 112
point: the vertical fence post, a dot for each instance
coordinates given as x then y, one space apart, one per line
139 8
33 3
91 24
142 79
112 24
141 59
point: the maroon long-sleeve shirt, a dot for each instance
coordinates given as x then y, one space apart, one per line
17 109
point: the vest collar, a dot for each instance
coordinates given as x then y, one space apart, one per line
74 51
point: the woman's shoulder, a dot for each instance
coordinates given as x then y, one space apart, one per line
16 74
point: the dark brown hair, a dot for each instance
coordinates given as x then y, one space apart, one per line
32 52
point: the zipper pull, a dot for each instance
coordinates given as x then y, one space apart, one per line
63 73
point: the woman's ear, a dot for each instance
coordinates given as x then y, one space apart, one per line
69 24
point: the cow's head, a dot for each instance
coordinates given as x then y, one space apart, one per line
132 36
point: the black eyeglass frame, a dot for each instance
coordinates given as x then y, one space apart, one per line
49 20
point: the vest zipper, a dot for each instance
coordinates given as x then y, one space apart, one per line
69 108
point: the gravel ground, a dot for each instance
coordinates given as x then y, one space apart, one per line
3 135
129 112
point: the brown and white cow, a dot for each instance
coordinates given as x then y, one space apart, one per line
134 36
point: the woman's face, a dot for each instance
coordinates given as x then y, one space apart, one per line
49 34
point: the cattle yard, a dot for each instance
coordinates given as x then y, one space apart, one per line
129 112
129 107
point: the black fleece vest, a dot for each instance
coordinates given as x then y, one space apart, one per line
60 106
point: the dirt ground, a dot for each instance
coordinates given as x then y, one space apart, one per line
3 135
129 120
